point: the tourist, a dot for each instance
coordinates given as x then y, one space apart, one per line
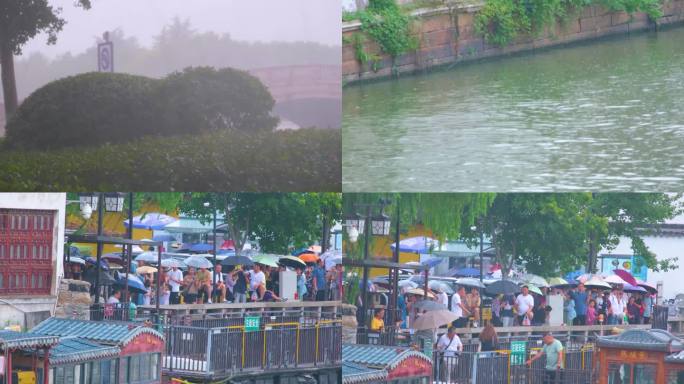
270 296
175 281
616 310
240 287
496 310
473 301
219 284
633 311
507 315
320 288
205 287
553 350
580 297
257 280
570 312
190 287
2 367
591 313
308 279
647 304
164 290
524 304
442 297
336 283
539 313
488 339
450 346
115 298
378 321
147 297
459 309
403 311
301 284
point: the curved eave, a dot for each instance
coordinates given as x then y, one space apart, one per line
364 377
79 357
29 342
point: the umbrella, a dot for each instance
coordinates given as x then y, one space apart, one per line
268 260
633 288
309 257
147 257
93 261
626 276
420 244
134 284
198 262
434 319
135 249
505 287
441 286
420 292
76 260
534 289
74 251
535 280
429 305
201 247
113 258
164 237
237 260
152 220
170 263
292 262
225 252
432 262
647 286
465 272
469 282
146 269
105 278
596 282
407 284
614 279
557 282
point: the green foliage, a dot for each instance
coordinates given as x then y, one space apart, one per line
391 29
501 21
308 159
281 221
362 56
99 108
382 5
87 109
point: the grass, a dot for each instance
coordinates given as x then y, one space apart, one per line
302 160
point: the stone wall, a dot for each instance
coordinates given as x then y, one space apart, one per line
447 35
349 324
73 300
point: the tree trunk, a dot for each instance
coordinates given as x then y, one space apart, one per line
9 85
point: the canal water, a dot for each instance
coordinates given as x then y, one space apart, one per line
605 115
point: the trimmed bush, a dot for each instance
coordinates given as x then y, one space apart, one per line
303 160
88 109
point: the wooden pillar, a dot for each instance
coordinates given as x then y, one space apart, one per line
9 367
46 367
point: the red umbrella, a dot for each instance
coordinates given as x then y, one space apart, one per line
626 276
649 287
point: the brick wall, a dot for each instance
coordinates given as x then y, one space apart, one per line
448 36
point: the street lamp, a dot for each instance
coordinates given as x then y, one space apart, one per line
474 228
114 201
213 270
357 222
381 225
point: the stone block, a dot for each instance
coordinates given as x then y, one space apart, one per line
348 53
350 67
615 30
639 25
619 18
604 21
436 23
434 53
471 47
587 24
437 38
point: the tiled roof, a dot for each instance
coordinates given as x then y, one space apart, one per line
675 358
100 331
74 349
12 339
355 374
376 356
645 339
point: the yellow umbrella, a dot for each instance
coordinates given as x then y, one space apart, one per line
146 269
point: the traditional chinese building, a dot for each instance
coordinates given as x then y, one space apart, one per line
384 364
638 356
674 365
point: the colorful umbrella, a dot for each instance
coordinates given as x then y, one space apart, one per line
292 262
557 282
534 289
309 257
614 279
151 221
626 276
647 286
268 260
633 288
420 292
146 269
535 280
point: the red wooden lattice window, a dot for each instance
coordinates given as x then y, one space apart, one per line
26 246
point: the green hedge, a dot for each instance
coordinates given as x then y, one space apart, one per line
302 160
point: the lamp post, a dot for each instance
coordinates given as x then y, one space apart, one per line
110 202
474 228
377 225
213 271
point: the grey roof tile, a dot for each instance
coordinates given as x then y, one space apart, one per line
644 339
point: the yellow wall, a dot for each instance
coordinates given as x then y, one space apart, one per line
113 225
381 248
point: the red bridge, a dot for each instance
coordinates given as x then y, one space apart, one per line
302 81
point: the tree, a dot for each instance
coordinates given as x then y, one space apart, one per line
20 21
280 221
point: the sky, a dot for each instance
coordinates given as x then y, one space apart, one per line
248 20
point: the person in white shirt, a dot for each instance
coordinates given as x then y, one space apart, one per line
219 283
449 345
617 307
114 298
442 297
257 279
459 309
524 304
175 281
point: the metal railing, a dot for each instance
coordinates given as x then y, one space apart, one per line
233 349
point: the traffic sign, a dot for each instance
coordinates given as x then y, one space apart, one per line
518 352
252 323
105 55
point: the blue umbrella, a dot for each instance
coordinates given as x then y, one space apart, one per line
226 252
432 262
164 237
420 244
465 272
74 251
134 284
571 276
152 220
93 261
201 247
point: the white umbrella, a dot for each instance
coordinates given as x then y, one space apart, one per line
135 248
147 257
596 282
470 282
434 319
170 263
614 279
76 260
536 280
407 284
198 262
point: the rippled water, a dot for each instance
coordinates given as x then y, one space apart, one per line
607 115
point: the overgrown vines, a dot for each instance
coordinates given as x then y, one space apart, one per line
501 21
